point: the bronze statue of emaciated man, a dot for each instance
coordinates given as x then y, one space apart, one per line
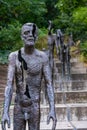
35 65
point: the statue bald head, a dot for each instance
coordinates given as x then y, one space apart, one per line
29 33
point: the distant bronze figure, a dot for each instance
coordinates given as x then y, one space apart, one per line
64 52
51 44
35 65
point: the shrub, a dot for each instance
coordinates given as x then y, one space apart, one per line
83 48
4 56
9 36
42 39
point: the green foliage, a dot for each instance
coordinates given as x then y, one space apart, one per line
10 36
83 48
80 23
4 56
15 43
37 11
80 15
41 43
17 46
67 6
52 11
72 18
68 15
42 39
42 32
4 13
23 11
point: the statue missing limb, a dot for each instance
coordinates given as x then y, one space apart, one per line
27 100
64 52
51 45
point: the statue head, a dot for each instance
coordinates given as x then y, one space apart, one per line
29 33
59 33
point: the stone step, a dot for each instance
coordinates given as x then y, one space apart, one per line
78 70
73 59
2 66
79 77
3 77
65 112
1 95
2 81
79 125
59 126
60 85
75 125
76 67
72 70
60 97
2 88
67 97
72 63
3 72
1 100
44 126
77 119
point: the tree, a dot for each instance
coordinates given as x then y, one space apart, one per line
67 17
23 11
80 22
52 11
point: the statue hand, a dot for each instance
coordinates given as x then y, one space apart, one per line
5 119
52 116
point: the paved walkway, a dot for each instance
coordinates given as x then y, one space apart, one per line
44 126
78 125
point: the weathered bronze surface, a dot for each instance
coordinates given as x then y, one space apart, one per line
35 65
64 52
51 44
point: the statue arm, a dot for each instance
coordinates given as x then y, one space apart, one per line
57 46
8 91
50 93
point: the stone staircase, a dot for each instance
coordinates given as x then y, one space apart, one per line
3 78
70 98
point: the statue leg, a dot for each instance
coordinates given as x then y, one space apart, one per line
18 122
63 63
68 66
34 122
52 68
68 69
63 69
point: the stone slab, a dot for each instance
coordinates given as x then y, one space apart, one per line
67 112
75 76
67 97
44 126
70 85
80 125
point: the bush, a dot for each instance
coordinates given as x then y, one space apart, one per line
10 36
42 39
11 40
80 23
83 48
4 56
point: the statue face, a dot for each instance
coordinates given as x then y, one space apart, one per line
58 33
29 34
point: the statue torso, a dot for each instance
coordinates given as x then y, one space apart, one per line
32 76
